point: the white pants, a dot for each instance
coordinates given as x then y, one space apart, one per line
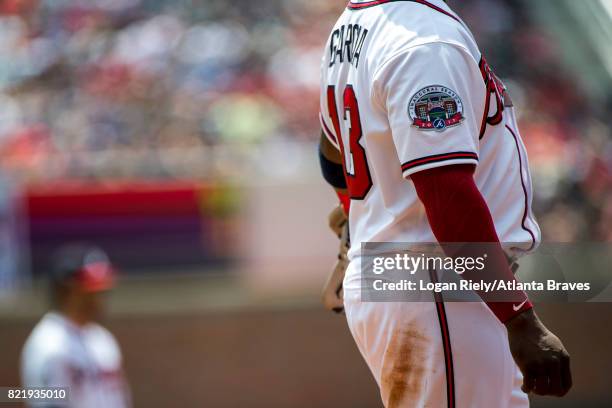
436 355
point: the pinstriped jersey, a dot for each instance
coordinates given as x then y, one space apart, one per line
404 88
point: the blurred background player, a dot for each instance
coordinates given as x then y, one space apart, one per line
68 347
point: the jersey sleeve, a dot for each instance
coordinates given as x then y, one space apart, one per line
46 371
434 97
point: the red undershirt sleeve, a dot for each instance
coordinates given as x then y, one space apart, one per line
345 201
458 213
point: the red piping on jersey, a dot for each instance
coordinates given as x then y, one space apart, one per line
359 6
446 344
438 158
485 116
518 150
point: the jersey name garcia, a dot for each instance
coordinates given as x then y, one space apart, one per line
346 43
404 88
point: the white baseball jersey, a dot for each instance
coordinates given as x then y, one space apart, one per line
405 88
86 359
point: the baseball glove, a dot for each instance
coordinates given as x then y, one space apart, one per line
332 295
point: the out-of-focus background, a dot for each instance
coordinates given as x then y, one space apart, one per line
181 137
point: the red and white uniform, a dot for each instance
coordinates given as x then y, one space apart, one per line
404 88
85 359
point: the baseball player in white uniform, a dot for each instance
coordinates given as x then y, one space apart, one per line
421 142
67 348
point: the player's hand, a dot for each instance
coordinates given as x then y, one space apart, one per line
332 295
337 220
540 355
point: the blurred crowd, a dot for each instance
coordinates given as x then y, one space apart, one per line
123 89
112 88
567 133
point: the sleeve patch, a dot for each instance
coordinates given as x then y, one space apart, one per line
436 108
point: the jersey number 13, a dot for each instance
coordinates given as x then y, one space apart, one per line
356 170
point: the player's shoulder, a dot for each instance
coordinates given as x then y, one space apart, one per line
428 57
400 26
102 342
48 339
100 334
417 15
103 346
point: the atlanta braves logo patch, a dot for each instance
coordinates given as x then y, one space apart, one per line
436 108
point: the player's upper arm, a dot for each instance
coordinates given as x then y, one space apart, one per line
434 97
46 370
